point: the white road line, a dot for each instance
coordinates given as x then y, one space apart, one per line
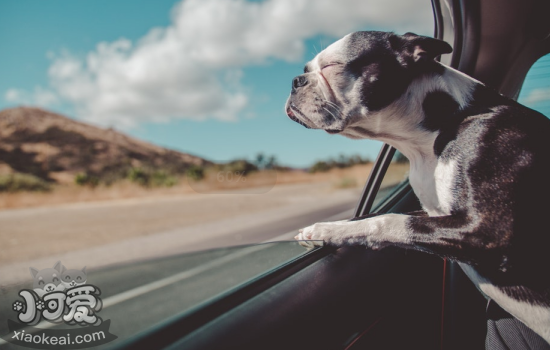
147 288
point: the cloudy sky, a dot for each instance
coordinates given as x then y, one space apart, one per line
208 77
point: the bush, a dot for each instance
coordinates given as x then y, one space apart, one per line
320 166
84 179
195 173
341 162
263 162
23 182
149 178
162 178
239 166
139 176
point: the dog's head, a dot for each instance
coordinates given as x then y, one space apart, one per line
358 76
72 278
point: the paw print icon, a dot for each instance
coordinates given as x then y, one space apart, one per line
40 305
17 306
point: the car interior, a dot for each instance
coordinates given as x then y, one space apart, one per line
356 298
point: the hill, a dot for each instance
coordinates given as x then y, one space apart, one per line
55 148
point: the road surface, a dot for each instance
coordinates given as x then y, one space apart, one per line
167 264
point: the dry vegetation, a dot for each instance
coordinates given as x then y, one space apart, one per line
63 194
72 193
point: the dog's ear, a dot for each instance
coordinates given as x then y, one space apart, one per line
417 49
58 266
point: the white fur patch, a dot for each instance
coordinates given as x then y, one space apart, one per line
533 316
444 175
432 182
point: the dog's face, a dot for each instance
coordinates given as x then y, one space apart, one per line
72 278
359 75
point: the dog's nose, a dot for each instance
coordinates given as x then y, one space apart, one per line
299 81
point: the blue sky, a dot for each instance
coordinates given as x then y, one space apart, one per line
208 77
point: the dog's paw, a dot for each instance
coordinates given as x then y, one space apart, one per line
305 240
318 234
309 245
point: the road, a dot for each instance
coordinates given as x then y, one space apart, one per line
157 274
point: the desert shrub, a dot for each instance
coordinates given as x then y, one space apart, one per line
139 176
84 179
341 162
195 172
319 166
22 182
263 162
239 166
161 178
151 178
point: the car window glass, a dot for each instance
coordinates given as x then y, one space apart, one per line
396 174
535 92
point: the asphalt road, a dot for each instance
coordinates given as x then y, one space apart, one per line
141 293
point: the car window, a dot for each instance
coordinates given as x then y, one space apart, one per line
535 92
396 175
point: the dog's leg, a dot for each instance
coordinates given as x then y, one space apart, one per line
308 239
442 235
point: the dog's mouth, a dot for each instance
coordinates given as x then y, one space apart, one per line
290 113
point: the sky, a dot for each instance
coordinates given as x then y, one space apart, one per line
206 77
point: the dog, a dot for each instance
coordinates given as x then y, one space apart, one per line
47 280
73 277
479 162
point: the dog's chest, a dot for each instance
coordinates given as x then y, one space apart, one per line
432 181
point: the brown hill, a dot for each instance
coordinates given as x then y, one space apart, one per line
56 148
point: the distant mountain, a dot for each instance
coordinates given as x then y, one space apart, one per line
56 148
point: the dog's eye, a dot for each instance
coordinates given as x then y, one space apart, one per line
67 277
40 282
55 279
79 278
329 65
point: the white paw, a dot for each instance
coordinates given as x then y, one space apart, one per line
317 234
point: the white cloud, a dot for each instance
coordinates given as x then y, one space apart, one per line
15 95
193 68
536 96
40 97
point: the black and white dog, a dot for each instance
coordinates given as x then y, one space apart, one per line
480 162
